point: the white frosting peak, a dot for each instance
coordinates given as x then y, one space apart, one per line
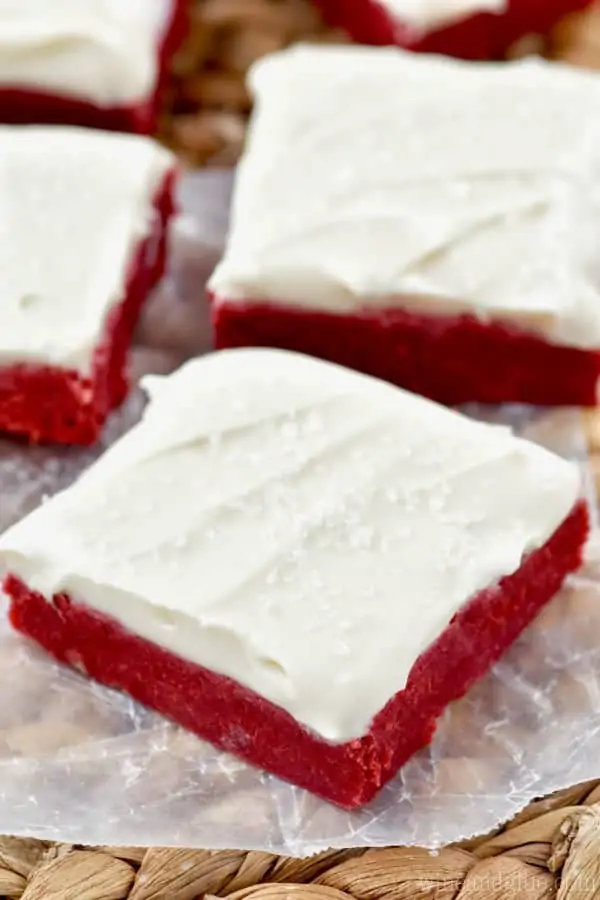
377 178
75 205
298 527
430 14
104 51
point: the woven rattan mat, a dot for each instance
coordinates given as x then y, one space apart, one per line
551 850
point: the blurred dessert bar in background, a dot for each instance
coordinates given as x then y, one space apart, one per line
98 63
208 103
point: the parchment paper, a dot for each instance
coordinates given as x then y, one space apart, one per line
84 764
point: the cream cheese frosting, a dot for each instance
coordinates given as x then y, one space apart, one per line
104 51
429 14
377 178
76 203
303 529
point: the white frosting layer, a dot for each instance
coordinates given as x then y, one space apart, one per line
104 51
303 529
76 204
429 14
377 178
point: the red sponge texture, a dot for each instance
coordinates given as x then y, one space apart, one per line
237 720
453 359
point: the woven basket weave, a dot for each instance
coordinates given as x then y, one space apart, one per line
552 850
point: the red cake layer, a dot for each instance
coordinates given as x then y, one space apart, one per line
453 360
481 36
45 403
237 720
26 106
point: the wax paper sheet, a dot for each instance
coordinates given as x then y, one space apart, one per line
84 764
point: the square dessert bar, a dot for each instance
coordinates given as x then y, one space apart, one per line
471 29
84 219
98 63
428 221
299 563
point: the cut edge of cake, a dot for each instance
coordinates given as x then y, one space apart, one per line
450 359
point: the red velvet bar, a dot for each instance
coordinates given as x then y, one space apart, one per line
237 720
46 403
